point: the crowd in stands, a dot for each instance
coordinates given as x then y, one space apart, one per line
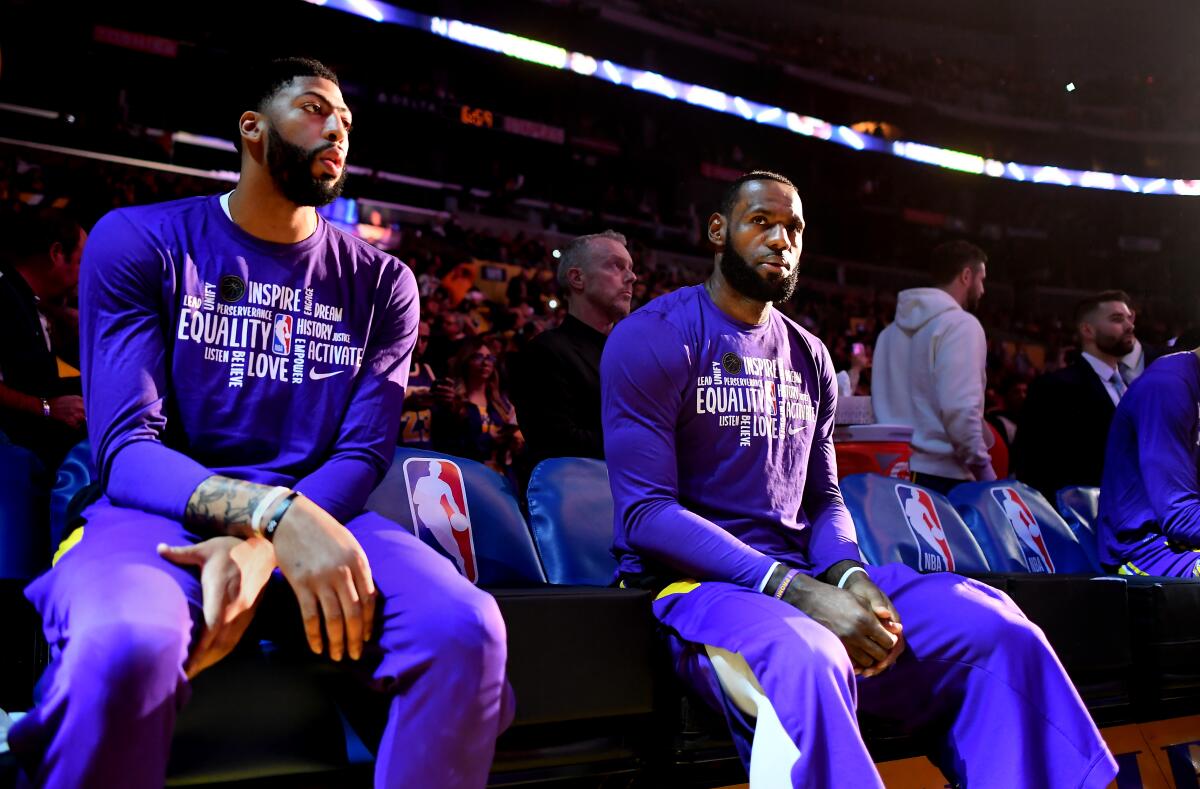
463 375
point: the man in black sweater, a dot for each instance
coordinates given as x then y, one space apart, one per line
38 409
556 386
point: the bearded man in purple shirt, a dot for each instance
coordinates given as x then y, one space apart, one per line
244 367
718 417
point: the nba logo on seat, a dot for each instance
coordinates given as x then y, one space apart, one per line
281 337
437 499
926 526
1029 535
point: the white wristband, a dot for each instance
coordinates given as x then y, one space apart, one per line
846 576
264 505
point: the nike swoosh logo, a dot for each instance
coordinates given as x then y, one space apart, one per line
316 376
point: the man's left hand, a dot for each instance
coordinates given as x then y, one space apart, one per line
233 574
875 601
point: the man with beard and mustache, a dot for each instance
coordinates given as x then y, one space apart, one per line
244 367
718 417
1064 425
930 371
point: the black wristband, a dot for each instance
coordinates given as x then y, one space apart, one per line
269 530
776 579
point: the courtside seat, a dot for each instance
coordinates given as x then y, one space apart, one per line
1085 615
1018 529
579 658
497 536
74 488
898 521
1166 641
571 516
1079 507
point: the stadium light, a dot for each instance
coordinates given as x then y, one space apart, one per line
717 101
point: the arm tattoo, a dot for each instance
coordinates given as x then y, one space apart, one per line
224 505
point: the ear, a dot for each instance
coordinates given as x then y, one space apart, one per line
251 126
717 231
57 257
575 278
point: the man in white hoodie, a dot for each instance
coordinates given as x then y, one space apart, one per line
930 371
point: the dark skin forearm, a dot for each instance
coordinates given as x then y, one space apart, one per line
223 505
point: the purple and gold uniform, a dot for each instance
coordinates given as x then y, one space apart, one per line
718 436
208 351
416 423
1150 498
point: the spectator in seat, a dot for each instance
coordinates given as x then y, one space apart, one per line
1149 520
446 340
556 381
1064 427
473 417
929 370
416 420
39 409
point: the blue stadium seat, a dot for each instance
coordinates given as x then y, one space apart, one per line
1018 529
501 540
1086 619
898 521
1079 507
75 474
571 515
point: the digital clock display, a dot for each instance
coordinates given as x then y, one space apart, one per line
473 116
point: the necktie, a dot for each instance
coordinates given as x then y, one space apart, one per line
1126 373
1118 383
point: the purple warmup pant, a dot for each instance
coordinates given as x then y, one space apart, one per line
975 673
120 620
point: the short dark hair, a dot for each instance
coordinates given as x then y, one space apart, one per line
734 189
36 231
263 82
1086 306
947 260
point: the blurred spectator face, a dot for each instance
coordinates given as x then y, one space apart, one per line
451 324
308 128
1014 395
481 364
608 278
63 275
762 239
976 276
1110 326
423 332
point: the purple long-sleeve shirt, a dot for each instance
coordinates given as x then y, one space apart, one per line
208 351
719 439
1151 488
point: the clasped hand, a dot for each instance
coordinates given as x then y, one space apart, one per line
320 559
860 615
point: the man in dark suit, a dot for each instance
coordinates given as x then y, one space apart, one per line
556 384
1064 427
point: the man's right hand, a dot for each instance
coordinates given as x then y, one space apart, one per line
67 409
860 630
330 575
